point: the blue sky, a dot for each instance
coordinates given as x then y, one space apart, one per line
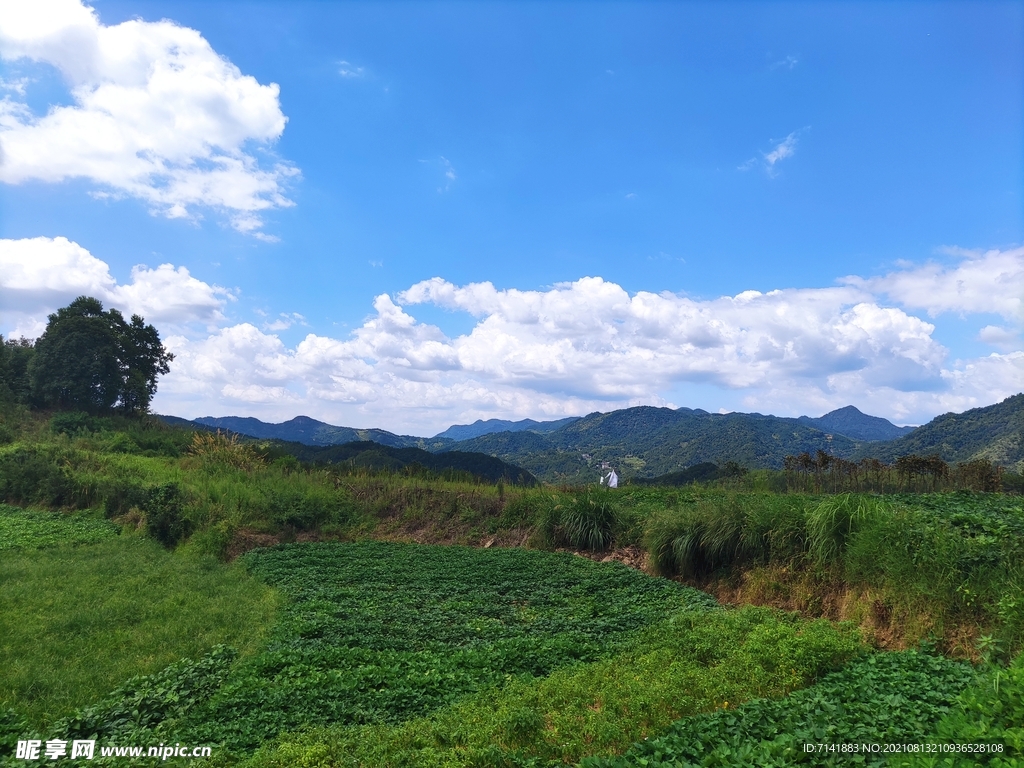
861 160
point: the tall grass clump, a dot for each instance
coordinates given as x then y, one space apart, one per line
589 521
707 533
832 523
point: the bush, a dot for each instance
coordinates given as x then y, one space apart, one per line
696 540
33 476
164 507
73 422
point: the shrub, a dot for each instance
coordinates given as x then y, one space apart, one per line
33 476
216 450
73 422
696 540
164 506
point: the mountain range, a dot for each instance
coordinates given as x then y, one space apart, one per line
649 442
640 442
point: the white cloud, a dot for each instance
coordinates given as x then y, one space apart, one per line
568 349
578 347
982 282
157 114
449 175
997 336
782 150
39 275
789 62
347 70
284 321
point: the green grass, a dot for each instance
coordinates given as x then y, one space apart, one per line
76 621
35 529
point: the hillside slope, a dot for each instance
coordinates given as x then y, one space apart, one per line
995 432
376 456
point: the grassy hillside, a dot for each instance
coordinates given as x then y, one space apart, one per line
995 433
84 607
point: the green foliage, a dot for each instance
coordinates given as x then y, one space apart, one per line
140 711
722 530
381 633
15 361
992 712
77 621
35 529
91 360
34 475
832 523
690 663
586 520
165 521
884 698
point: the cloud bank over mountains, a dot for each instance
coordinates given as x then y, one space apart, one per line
569 349
155 114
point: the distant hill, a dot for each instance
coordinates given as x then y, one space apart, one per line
303 429
480 427
851 422
652 442
995 432
377 456
649 442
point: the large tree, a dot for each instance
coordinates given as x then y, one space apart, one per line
94 361
15 360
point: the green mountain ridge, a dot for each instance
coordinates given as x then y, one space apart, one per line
646 441
993 432
309 431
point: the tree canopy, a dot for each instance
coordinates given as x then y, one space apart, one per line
93 360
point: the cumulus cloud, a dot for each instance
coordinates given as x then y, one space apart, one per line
982 282
571 348
38 275
156 114
589 345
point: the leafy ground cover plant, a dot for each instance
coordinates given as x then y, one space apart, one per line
691 662
883 698
989 711
34 529
374 632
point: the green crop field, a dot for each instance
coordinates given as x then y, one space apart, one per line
337 641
